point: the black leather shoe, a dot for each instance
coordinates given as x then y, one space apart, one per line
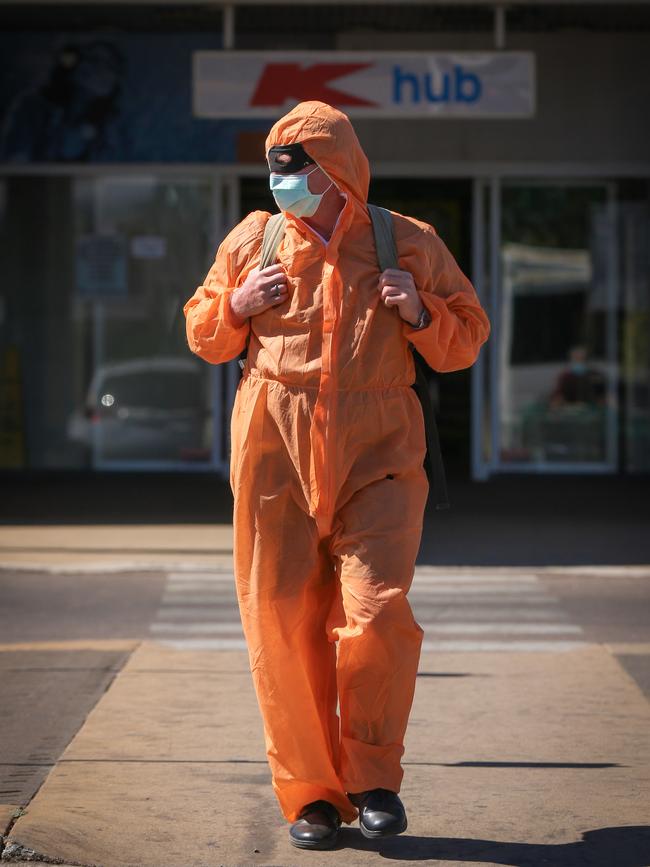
317 826
381 813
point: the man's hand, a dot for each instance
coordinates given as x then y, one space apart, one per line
398 290
259 291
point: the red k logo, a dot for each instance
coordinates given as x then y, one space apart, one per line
282 81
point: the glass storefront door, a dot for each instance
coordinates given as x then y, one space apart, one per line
548 381
137 240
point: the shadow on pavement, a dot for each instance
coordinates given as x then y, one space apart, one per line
623 846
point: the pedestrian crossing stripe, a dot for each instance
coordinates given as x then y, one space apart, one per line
453 628
458 611
438 646
421 574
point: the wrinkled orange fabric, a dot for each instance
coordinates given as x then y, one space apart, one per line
326 471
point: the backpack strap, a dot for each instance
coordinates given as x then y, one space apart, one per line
273 232
387 257
382 227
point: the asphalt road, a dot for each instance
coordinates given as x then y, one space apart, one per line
41 606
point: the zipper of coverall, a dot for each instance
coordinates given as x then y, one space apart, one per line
329 356
325 410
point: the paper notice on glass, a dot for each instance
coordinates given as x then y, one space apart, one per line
148 247
101 270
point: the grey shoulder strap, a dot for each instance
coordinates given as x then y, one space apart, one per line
384 232
382 227
273 232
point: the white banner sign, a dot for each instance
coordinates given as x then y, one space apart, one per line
365 84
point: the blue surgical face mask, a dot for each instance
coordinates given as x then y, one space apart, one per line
291 193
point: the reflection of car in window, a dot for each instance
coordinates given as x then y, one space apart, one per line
146 409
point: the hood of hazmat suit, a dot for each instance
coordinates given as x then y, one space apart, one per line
326 469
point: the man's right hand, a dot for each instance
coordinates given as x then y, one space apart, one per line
259 291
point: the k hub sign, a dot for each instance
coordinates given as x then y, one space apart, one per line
365 84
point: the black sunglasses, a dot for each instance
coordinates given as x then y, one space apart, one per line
287 159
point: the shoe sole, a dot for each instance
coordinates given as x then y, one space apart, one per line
313 844
372 835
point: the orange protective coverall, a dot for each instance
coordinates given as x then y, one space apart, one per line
326 471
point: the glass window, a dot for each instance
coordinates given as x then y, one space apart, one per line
557 306
97 270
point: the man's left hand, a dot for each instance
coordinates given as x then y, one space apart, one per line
398 290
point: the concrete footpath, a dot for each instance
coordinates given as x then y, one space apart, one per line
115 546
512 758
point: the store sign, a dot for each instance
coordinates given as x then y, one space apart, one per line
365 84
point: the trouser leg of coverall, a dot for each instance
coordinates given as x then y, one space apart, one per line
293 608
286 587
379 647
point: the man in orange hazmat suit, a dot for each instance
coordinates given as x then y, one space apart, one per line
327 472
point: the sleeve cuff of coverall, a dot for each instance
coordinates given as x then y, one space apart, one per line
431 303
231 320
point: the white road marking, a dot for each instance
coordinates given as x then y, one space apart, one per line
203 643
455 612
204 598
437 646
429 628
203 586
198 628
421 575
212 577
504 611
483 598
599 571
502 628
477 578
512 646
200 611
463 589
